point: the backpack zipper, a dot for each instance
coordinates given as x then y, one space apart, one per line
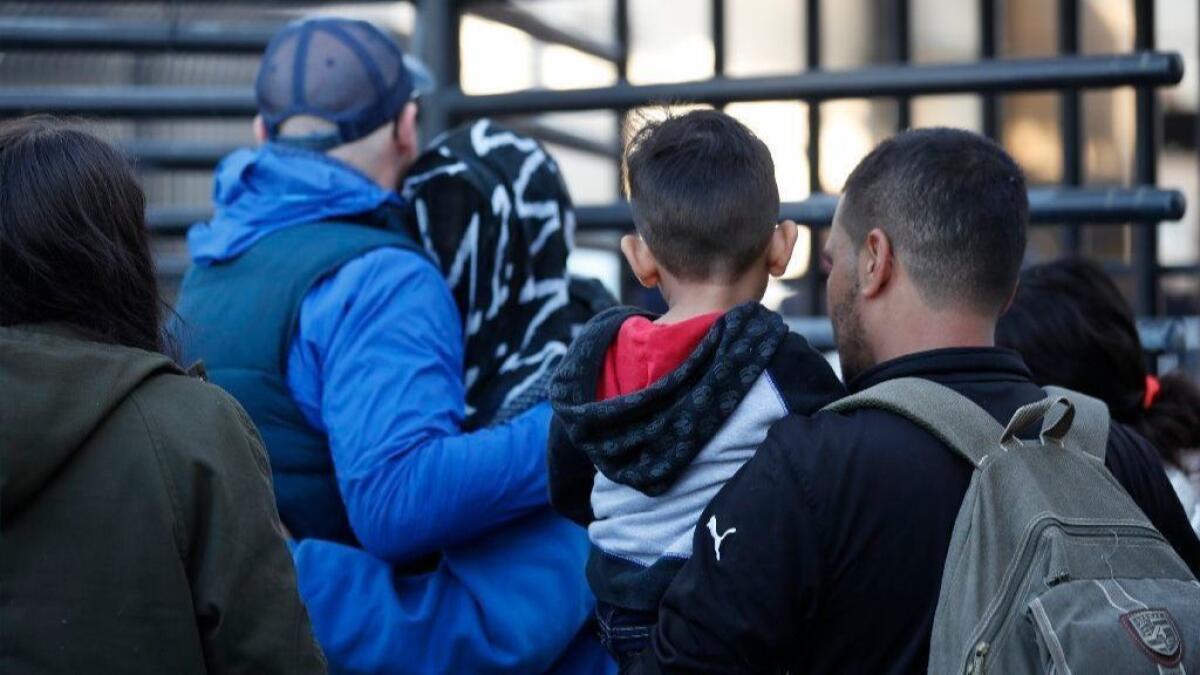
975 665
992 617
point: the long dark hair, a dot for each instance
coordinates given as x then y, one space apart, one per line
73 241
1074 329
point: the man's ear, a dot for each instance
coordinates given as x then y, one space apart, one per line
781 247
406 137
1012 297
877 263
641 260
260 129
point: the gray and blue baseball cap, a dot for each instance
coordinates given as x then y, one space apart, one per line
345 71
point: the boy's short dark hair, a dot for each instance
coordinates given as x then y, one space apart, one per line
955 207
702 187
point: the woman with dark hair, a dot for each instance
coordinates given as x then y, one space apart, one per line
1074 329
139 529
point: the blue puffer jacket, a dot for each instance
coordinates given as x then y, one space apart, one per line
376 365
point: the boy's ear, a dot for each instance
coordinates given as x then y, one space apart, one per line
779 250
640 259
260 130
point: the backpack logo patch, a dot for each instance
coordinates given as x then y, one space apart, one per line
1156 635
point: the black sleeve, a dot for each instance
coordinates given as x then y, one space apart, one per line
1137 466
571 474
803 377
743 612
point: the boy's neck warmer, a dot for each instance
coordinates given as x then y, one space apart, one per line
647 438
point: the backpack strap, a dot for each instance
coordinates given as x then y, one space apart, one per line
1089 431
953 418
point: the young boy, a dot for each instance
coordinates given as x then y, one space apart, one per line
652 414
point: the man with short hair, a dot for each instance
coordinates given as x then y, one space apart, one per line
339 335
833 537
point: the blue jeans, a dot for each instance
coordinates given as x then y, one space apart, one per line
624 632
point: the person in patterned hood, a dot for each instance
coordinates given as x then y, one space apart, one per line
653 414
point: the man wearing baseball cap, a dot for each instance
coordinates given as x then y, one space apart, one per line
339 336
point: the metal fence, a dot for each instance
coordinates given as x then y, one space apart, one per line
436 40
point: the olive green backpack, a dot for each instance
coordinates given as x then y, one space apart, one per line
1052 568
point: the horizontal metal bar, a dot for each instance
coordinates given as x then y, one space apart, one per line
1157 335
193 155
172 219
538 29
551 134
176 155
144 101
1105 205
80 34
1047 206
1009 75
1147 68
1191 270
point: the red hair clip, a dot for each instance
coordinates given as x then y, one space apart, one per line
1153 387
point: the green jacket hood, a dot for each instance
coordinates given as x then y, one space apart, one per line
58 388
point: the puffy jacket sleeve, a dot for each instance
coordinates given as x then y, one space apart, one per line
243 584
510 602
377 364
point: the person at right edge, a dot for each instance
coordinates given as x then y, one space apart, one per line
844 520
654 413
1074 329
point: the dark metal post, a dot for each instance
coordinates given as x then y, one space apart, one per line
812 53
621 36
987 50
1145 251
902 37
1069 124
436 42
718 37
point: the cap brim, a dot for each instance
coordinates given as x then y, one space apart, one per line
422 80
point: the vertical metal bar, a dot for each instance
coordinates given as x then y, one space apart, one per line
987 50
628 282
1146 166
812 53
1069 121
436 41
902 37
718 37
621 37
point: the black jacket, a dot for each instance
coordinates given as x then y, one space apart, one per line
843 523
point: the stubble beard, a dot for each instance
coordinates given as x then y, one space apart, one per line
853 353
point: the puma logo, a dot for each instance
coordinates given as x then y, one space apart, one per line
718 538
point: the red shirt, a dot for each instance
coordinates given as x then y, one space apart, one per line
644 352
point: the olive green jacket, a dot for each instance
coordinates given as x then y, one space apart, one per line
138 531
